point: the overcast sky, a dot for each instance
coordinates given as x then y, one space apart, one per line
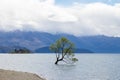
77 17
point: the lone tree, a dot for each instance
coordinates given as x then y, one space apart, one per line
64 50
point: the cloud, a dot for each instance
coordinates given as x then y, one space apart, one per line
44 15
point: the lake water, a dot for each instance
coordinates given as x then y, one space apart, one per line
89 66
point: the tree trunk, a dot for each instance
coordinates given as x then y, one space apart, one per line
56 62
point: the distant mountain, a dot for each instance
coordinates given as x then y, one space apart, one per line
101 44
77 50
47 50
43 50
35 41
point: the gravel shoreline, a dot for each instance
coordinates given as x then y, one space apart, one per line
16 75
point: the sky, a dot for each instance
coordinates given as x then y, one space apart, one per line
76 17
69 2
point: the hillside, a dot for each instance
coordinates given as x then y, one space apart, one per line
38 40
47 50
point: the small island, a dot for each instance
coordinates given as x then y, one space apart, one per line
15 75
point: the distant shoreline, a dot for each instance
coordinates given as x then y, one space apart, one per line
51 53
16 75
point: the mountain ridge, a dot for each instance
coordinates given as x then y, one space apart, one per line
47 50
36 40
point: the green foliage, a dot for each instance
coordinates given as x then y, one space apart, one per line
74 59
64 50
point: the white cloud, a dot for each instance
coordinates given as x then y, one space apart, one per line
45 15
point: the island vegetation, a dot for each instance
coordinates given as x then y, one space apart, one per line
21 51
64 50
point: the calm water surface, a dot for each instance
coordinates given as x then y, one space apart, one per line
89 66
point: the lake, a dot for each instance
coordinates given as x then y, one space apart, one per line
89 66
